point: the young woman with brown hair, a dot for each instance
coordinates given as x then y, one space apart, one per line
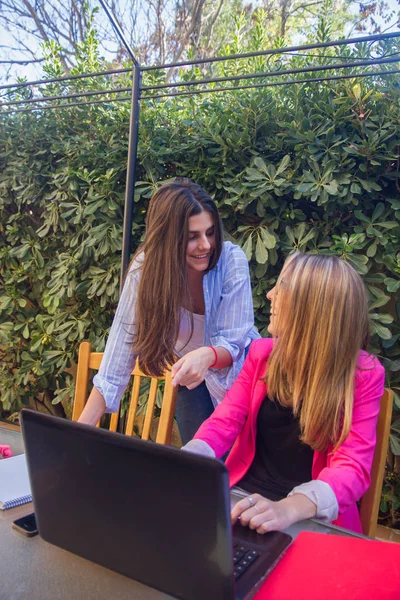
187 294
302 414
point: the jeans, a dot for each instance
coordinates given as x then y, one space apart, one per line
192 408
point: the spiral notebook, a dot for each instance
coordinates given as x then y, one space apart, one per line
15 488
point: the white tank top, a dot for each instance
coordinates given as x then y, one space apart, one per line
185 343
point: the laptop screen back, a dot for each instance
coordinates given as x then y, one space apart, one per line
154 513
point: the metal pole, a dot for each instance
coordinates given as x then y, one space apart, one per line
65 78
118 31
130 172
343 42
132 148
258 75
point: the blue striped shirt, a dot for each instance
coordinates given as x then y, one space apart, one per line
228 323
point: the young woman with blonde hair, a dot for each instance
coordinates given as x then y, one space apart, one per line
186 302
302 414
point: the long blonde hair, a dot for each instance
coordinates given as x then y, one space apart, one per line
322 323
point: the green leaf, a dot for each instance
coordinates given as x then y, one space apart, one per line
35 346
371 251
254 175
384 318
356 89
283 164
261 251
260 270
268 238
381 331
39 321
260 164
361 217
379 208
394 444
304 187
393 365
248 247
392 284
290 234
331 188
305 239
366 185
355 188
388 224
383 507
359 262
380 298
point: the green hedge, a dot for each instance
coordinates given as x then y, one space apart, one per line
312 166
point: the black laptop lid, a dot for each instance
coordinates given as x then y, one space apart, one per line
154 513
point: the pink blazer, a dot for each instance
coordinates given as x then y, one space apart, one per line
347 470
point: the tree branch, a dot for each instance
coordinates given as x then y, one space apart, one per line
36 20
21 62
196 15
212 23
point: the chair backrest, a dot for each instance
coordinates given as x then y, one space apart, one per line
369 504
91 360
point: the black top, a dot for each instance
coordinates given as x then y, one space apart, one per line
281 460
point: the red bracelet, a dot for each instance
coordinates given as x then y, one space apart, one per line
215 355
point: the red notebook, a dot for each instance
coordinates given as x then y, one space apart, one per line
320 566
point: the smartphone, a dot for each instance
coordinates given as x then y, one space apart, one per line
26 525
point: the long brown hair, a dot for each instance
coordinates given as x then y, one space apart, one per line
322 323
164 286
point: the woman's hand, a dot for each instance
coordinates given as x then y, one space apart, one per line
191 369
263 515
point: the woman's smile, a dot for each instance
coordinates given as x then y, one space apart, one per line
201 243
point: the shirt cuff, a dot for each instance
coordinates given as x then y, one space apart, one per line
322 495
199 447
234 349
111 393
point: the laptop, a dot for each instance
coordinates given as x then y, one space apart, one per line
154 513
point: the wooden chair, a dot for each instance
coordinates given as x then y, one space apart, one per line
91 360
369 504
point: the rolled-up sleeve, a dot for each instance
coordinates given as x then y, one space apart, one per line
323 496
234 319
119 358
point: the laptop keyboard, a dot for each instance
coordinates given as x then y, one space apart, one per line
242 559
